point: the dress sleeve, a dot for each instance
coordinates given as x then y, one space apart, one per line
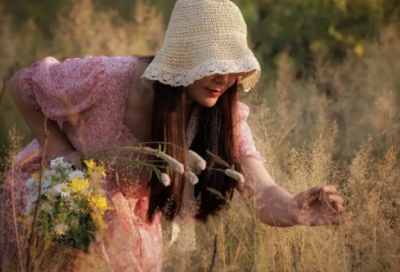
247 146
61 89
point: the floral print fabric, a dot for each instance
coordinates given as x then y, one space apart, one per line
87 97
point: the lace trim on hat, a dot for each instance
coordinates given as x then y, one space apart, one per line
248 65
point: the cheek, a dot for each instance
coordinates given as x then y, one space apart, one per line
196 89
193 91
232 80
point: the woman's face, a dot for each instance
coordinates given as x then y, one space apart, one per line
207 90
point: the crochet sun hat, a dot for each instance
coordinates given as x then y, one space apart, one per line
203 38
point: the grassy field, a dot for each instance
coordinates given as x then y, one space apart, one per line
340 127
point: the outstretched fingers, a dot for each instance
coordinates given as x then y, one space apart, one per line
329 189
336 202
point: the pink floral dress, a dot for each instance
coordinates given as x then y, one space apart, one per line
87 97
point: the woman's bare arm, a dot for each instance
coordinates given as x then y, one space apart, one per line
276 207
57 142
272 201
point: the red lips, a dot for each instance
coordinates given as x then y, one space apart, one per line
213 93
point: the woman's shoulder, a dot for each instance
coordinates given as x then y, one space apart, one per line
243 111
120 63
87 66
114 65
80 82
117 72
120 70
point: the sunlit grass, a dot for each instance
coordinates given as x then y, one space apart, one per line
341 127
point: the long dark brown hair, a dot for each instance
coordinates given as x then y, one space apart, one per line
217 138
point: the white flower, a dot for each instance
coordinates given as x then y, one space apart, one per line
60 229
61 189
32 183
33 197
46 206
165 179
46 184
49 174
192 177
57 162
51 193
65 193
73 206
235 175
67 166
76 174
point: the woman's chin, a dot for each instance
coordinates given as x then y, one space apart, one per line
208 102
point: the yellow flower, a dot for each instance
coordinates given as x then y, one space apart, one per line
90 164
78 185
99 203
36 175
99 206
99 221
94 168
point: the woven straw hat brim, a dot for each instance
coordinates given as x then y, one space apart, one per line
204 37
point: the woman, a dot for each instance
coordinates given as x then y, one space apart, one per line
186 95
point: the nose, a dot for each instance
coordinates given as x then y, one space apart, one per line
221 79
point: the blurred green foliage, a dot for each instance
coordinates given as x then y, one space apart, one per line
308 27
300 28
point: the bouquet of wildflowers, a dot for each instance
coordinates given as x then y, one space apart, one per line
71 204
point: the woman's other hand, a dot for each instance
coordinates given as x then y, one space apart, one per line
317 206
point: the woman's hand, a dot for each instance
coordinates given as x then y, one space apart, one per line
73 157
277 207
317 206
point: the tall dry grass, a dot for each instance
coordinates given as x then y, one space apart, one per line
341 128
